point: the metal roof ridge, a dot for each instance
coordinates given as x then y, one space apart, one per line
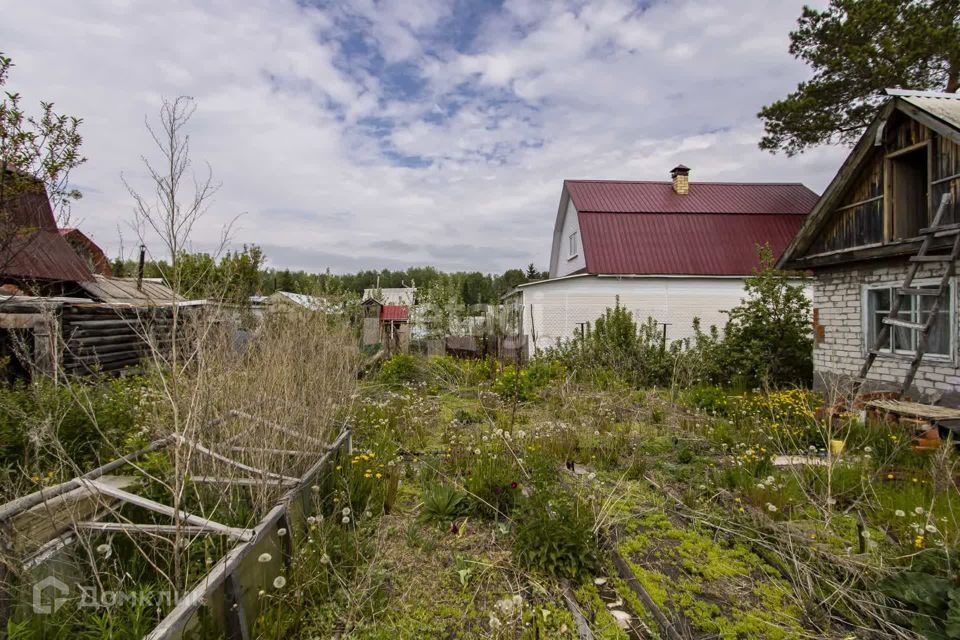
908 93
692 183
697 213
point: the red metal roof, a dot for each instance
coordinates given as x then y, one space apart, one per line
38 251
394 312
91 253
704 197
645 228
693 244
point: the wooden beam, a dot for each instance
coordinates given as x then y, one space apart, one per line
240 482
859 203
273 425
158 529
233 463
151 505
908 149
284 452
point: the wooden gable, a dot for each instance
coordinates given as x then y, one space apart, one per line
886 191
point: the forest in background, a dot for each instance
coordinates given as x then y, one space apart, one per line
237 275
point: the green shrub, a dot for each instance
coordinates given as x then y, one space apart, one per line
441 503
712 400
515 386
554 534
86 423
401 368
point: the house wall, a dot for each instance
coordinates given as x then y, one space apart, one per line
554 309
565 265
839 298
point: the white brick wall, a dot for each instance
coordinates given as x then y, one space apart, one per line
838 294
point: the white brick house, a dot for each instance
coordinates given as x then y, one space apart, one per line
859 239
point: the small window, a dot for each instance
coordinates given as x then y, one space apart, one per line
914 309
908 193
574 245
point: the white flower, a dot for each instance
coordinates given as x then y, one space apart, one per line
899 513
476 451
345 520
596 433
261 593
281 532
930 528
105 550
591 475
865 534
918 511
771 507
495 622
761 486
265 557
315 488
346 511
311 520
868 449
279 582
831 501
367 514
770 480
324 559
521 434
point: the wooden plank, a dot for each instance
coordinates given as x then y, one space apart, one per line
233 463
240 482
14 507
151 505
35 527
157 529
915 409
288 431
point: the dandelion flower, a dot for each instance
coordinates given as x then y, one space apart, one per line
345 520
105 550
899 513
930 528
918 511
771 507
315 488
279 582
346 511
324 559
281 532
265 557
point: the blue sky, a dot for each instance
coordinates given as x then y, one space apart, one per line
376 134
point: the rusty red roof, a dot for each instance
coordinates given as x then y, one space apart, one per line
645 228
37 251
394 312
611 196
692 244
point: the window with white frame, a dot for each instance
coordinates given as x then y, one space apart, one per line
913 308
574 245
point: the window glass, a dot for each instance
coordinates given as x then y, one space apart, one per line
573 243
912 309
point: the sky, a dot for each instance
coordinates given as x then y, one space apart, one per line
371 135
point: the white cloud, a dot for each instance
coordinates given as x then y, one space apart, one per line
287 120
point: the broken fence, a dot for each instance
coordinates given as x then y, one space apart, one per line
227 590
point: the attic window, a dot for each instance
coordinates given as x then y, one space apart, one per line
908 191
574 245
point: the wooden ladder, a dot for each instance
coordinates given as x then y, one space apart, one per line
923 257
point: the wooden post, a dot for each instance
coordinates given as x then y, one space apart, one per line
46 343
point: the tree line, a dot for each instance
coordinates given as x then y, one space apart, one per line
237 275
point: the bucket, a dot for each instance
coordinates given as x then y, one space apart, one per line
836 447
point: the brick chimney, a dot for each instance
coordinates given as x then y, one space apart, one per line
681 179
